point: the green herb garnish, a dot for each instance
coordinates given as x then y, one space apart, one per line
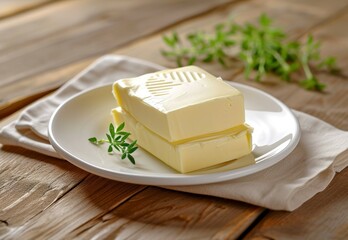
262 48
117 140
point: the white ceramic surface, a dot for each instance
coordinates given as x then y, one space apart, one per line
276 134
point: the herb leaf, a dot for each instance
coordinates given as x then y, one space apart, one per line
117 141
120 127
93 140
131 158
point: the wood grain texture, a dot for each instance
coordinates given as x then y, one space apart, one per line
158 214
69 31
323 217
24 92
50 199
301 16
93 198
293 18
30 183
12 7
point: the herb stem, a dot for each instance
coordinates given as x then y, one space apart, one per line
281 60
307 70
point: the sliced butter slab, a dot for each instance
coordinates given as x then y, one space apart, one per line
181 103
191 155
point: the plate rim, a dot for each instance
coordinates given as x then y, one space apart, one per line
181 179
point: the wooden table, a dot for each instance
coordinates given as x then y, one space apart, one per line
44 43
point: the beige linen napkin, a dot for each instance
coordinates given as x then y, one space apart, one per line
284 186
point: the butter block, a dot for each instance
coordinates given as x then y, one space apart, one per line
181 103
189 155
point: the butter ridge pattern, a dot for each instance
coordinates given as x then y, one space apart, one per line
160 84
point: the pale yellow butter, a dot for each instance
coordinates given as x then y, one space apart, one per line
182 103
193 154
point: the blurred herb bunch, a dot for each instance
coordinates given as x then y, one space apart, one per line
262 48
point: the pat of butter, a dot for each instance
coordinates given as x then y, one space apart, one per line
190 155
181 103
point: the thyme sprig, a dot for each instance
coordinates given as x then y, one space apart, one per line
117 142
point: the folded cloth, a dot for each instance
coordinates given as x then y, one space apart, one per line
30 130
284 186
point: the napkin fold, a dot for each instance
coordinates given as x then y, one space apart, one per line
285 186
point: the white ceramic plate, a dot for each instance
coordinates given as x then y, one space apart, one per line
276 133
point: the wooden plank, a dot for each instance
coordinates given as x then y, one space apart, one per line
69 31
154 214
94 197
301 16
294 17
24 92
98 223
323 217
12 7
31 182
333 33
297 14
